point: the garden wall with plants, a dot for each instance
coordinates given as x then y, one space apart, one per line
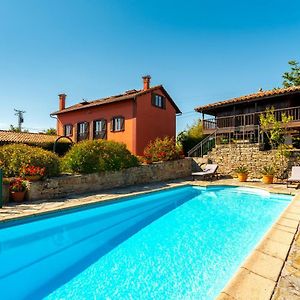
231 156
88 166
77 184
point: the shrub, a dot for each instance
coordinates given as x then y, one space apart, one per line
14 157
162 150
96 156
191 136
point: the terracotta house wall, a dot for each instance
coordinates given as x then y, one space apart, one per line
153 122
143 121
108 111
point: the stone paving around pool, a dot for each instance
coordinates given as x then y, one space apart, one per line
272 271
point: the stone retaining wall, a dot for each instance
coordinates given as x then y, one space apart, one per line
78 184
229 157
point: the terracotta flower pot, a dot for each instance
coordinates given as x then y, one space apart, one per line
268 179
242 177
18 196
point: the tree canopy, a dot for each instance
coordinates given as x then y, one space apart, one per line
16 129
292 78
191 136
50 131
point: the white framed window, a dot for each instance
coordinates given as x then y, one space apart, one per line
100 129
158 101
117 124
68 130
83 131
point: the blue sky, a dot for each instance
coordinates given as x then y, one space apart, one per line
201 51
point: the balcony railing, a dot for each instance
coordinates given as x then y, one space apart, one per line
248 119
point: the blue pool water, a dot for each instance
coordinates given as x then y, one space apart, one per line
184 243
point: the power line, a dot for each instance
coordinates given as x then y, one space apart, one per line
188 113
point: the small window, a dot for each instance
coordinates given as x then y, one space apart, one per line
100 129
68 130
83 131
117 124
158 101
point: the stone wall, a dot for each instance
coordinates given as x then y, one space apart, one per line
229 157
78 184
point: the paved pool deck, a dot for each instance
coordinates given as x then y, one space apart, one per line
272 270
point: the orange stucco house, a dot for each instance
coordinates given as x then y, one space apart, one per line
135 117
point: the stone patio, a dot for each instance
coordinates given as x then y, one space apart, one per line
272 271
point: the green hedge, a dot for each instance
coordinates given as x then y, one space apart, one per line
97 156
14 156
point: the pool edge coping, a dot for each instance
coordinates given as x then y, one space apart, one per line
90 203
258 275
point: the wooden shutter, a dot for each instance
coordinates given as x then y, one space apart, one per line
103 134
112 124
86 130
75 137
164 102
122 123
153 99
104 125
91 130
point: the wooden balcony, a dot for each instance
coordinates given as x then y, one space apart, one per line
248 121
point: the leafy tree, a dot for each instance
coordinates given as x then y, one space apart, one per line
292 78
275 131
191 136
16 129
50 131
272 128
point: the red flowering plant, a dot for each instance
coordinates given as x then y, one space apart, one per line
162 150
18 185
28 170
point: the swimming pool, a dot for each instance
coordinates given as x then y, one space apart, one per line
181 243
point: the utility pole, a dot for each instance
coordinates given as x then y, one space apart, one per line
19 114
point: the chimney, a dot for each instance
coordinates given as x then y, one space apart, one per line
62 101
146 80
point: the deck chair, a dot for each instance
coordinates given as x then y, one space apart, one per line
295 176
209 172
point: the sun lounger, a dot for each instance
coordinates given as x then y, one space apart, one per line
209 172
295 176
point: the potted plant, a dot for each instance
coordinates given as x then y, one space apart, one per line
18 188
268 173
32 173
242 173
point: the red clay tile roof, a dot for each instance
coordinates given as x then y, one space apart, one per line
259 96
126 96
27 138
